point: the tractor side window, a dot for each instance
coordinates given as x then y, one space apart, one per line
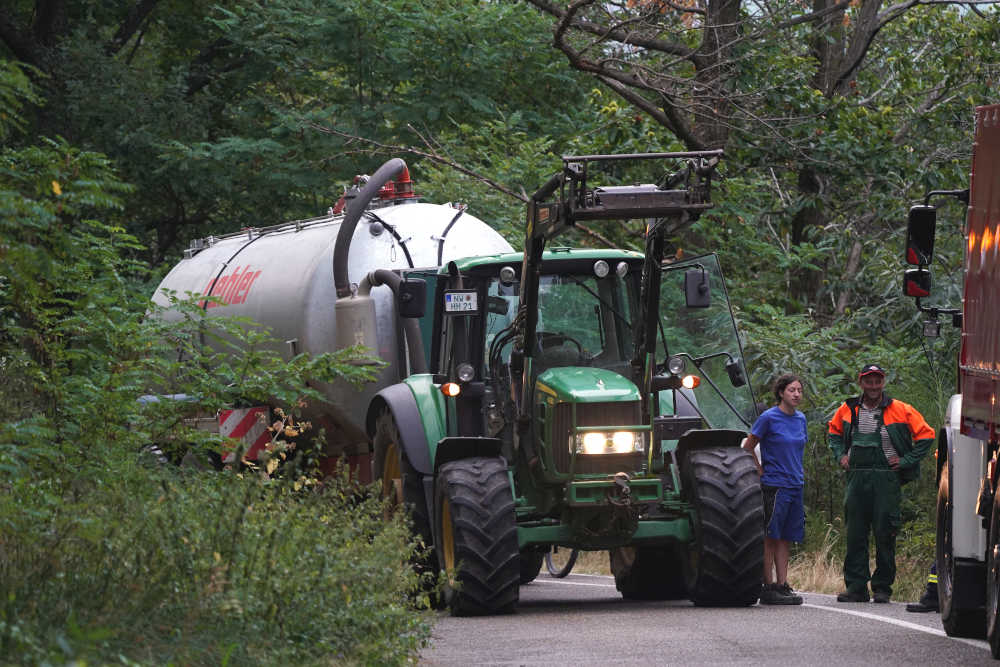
501 308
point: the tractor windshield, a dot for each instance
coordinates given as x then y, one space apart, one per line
583 320
707 340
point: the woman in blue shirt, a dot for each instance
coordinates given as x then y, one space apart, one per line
781 433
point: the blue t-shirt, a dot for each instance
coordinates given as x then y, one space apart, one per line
782 443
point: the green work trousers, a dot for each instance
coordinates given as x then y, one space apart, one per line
871 503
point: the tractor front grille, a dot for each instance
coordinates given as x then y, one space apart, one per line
625 413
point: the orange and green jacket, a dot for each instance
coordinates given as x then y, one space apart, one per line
908 432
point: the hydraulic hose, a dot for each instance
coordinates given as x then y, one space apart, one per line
414 341
356 207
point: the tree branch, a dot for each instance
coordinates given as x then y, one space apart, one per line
137 15
433 156
24 49
605 32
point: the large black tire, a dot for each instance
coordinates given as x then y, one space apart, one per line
531 564
477 537
560 561
993 582
725 562
401 484
649 573
957 622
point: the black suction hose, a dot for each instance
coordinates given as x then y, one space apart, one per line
357 206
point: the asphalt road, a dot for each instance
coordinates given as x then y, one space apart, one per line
582 620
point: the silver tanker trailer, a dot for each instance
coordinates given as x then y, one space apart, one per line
327 283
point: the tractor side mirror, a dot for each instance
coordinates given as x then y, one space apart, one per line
696 289
735 371
920 235
917 282
411 300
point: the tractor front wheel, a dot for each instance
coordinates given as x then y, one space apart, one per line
477 537
726 561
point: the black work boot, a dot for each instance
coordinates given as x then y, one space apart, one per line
773 594
928 602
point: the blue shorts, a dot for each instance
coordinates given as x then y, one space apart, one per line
784 513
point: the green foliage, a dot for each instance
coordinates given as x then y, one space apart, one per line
158 565
106 553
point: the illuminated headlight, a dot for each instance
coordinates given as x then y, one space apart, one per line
619 442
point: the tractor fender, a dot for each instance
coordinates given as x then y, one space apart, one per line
704 439
402 404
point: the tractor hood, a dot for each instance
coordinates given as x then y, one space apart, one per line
579 384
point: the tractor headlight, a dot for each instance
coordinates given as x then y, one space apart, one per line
600 442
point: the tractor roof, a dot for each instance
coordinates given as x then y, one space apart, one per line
553 253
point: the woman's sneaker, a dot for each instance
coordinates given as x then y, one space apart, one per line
787 590
774 594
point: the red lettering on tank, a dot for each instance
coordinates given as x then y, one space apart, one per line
232 288
244 287
231 285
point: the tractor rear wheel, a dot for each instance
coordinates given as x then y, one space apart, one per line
531 564
402 486
477 537
649 573
726 561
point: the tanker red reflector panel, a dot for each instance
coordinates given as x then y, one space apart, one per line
913 289
248 425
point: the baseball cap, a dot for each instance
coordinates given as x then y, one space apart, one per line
868 369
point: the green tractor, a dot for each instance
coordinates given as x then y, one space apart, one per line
579 398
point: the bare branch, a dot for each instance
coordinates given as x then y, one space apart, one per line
604 32
137 15
432 156
23 48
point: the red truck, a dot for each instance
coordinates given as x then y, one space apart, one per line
968 506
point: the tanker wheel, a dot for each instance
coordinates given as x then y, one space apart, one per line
477 548
993 582
957 622
402 487
649 573
560 563
726 557
531 564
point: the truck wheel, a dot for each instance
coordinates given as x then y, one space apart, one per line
401 484
993 582
726 560
531 564
477 546
560 562
654 573
957 622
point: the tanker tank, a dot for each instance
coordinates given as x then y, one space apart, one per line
283 277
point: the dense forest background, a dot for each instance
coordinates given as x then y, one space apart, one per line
130 128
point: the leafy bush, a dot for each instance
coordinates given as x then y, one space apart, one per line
162 565
107 554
